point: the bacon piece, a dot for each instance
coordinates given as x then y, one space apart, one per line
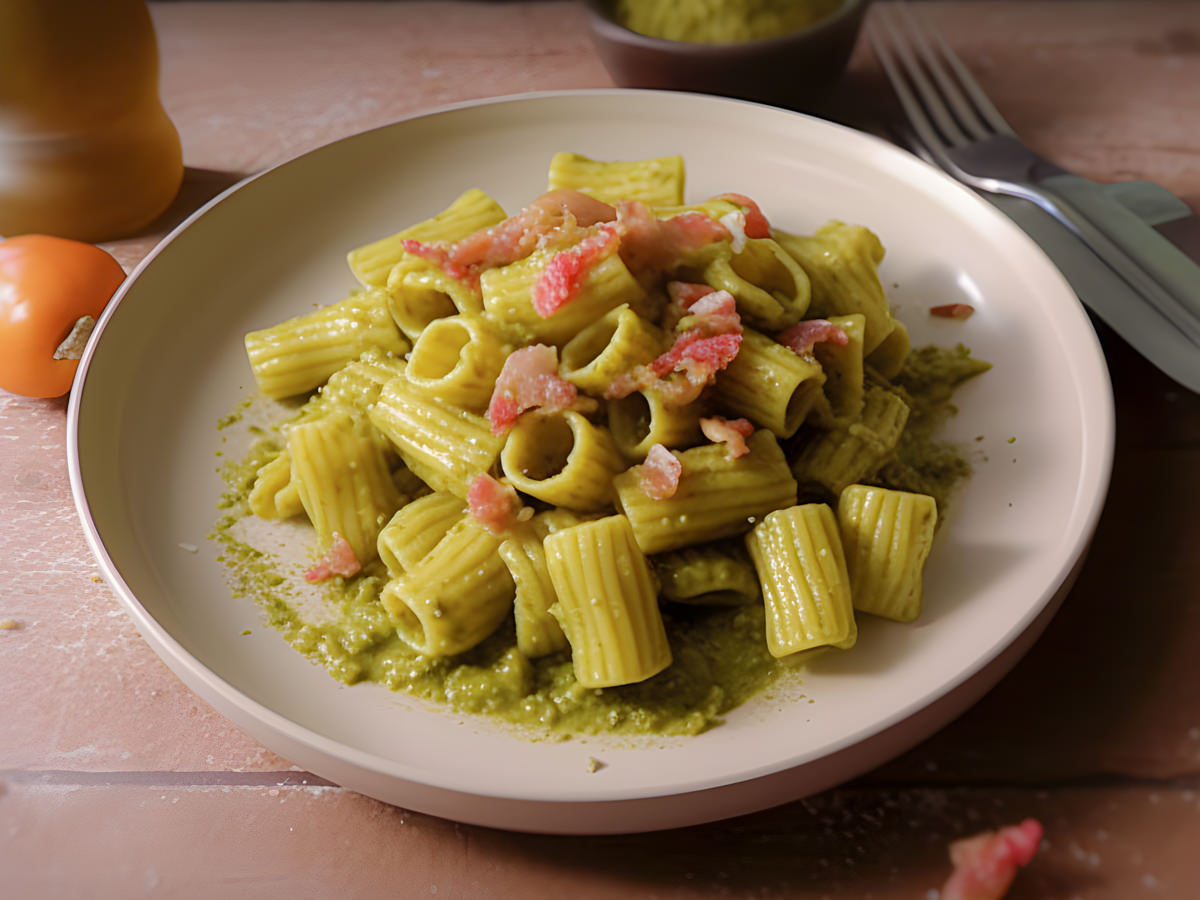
556 217
952 311
658 475
694 352
339 559
986 864
802 336
492 504
562 278
648 242
528 378
757 225
732 431
708 339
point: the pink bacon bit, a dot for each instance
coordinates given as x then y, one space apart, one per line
658 475
986 864
757 225
339 559
952 311
803 336
709 341
649 243
492 504
733 432
562 278
528 378
554 217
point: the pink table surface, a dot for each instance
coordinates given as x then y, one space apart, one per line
116 781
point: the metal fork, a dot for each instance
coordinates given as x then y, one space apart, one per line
955 126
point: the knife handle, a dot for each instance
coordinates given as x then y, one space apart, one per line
1139 217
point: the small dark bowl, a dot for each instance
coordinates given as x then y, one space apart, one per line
797 70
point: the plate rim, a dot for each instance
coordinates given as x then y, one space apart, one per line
224 695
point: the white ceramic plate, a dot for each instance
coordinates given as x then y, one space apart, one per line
169 364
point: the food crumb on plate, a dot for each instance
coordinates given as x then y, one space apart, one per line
594 765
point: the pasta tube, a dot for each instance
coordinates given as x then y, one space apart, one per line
343 480
641 420
471 211
716 497
655 182
607 603
843 368
538 632
842 264
457 359
771 289
445 445
298 355
615 343
357 385
508 296
562 459
889 357
416 528
798 555
887 535
856 451
769 384
420 293
719 574
455 596
275 494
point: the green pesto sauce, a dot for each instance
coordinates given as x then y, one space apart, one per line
721 21
720 655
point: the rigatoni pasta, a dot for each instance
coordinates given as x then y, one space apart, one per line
567 435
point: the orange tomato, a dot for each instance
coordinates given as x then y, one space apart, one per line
47 286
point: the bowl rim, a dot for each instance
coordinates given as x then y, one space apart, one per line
605 25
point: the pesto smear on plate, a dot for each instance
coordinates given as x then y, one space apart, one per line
720 658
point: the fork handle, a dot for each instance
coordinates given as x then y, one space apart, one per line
1139 217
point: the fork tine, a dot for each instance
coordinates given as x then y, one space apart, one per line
983 104
921 100
949 87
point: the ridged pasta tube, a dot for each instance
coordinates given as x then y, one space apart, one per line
275 494
457 360
471 211
613 344
769 384
642 419
716 574
343 480
416 528
419 293
655 182
887 535
538 632
445 445
299 354
717 496
356 386
455 596
843 367
508 296
842 264
889 357
562 459
801 565
855 451
771 288
607 603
